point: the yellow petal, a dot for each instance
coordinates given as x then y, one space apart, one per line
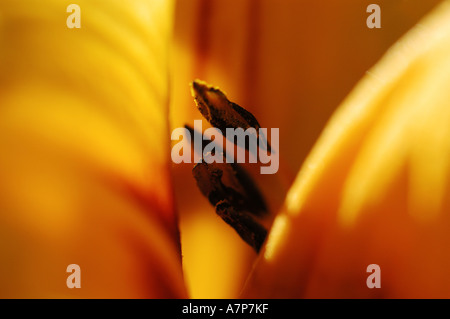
375 189
84 176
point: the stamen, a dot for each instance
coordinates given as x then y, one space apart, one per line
222 113
228 187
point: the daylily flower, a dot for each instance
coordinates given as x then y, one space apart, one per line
85 141
290 63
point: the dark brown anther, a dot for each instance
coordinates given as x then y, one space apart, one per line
222 113
234 197
228 187
248 229
230 182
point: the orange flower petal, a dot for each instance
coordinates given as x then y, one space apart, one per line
375 189
84 175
